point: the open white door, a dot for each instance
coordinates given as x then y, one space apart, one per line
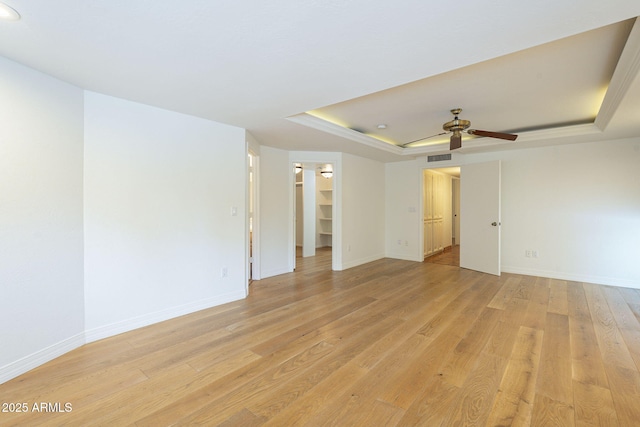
480 217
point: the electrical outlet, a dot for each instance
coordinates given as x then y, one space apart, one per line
527 253
534 254
224 272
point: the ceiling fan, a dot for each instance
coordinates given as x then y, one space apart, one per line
457 126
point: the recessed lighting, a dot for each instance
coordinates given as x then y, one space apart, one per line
382 126
7 13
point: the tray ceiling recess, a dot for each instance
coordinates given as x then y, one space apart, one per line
560 90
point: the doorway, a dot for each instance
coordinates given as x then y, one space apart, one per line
441 215
252 246
479 214
313 215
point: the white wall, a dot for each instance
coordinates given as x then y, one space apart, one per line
276 227
577 205
363 210
252 143
159 192
309 236
299 215
403 207
41 248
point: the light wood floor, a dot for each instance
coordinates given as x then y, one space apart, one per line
384 344
450 256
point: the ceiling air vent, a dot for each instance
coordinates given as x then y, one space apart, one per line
439 158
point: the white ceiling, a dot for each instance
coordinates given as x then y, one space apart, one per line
262 65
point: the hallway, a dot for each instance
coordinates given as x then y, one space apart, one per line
450 256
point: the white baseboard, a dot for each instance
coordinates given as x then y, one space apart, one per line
116 328
405 257
41 357
598 280
360 261
275 272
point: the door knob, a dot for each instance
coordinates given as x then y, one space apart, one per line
495 224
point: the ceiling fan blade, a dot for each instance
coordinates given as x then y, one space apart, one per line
490 134
456 141
422 139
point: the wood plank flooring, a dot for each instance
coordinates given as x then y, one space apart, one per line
389 343
450 256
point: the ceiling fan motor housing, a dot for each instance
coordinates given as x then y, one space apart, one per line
456 124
